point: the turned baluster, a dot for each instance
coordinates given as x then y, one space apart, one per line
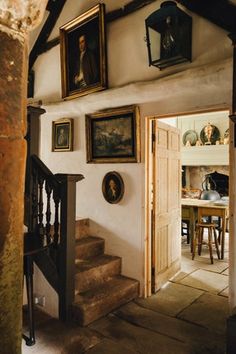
56 199
34 199
48 189
40 204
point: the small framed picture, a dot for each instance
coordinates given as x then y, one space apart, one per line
113 135
62 135
83 54
113 187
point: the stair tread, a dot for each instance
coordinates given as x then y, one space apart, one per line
83 265
111 286
88 239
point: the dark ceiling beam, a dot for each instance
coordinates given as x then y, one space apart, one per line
54 7
129 8
220 12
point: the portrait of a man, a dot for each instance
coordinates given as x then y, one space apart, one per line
83 57
87 71
62 135
113 187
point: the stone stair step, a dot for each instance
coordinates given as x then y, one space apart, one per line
99 301
81 228
92 272
89 246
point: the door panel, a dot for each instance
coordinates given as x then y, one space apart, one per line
167 207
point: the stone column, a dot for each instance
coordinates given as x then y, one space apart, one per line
17 18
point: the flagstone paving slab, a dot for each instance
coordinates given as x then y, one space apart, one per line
205 280
210 311
225 292
108 346
171 299
138 339
172 327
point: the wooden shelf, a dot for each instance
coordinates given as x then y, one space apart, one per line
206 155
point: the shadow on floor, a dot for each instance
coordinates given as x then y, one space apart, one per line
188 315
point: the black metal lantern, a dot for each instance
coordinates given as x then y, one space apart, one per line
169 36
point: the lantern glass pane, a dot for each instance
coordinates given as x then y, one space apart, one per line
155 39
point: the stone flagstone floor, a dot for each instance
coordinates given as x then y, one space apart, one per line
187 316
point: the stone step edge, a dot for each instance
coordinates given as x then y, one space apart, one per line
88 239
108 262
100 288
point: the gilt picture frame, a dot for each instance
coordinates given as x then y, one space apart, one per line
113 135
62 135
83 54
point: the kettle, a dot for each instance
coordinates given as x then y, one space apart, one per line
208 193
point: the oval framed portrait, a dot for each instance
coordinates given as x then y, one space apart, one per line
113 187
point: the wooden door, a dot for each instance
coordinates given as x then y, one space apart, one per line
166 235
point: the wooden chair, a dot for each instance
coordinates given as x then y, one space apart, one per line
185 229
199 235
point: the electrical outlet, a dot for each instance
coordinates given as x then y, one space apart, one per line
39 300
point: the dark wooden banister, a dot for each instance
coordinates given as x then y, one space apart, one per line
58 265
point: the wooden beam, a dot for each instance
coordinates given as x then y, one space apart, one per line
220 12
129 8
55 8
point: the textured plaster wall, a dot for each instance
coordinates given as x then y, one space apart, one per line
127 51
204 83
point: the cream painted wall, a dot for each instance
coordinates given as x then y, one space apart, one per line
205 83
127 51
120 224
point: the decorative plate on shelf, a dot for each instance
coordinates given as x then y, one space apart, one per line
210 134
226 135
190 137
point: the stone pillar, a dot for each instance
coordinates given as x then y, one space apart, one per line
16 19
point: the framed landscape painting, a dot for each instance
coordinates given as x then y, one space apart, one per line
83 54
113 135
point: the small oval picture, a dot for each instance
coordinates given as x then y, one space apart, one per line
113 187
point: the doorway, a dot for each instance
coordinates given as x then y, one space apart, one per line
211 161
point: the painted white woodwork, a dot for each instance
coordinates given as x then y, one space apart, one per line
167 203
206 155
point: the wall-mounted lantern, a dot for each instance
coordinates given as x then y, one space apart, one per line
169 36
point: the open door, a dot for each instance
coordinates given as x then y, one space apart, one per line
166 213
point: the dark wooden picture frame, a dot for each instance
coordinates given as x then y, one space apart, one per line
62 135
113 135
82 40
113 187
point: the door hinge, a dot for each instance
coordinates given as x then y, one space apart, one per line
153 136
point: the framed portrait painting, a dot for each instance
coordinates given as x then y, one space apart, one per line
113 135
113 187
83 54
62 135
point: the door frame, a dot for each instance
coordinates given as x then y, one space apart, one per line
149 188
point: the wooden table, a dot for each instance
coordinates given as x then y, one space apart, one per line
208 208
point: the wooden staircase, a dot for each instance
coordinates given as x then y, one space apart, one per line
99 285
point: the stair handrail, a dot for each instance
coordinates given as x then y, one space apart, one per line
61 189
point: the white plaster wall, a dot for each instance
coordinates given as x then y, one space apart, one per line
204 83
121 225
127 52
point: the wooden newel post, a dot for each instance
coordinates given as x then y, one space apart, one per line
67 243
